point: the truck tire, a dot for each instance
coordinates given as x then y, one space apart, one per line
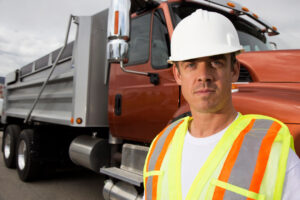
28 165
9 142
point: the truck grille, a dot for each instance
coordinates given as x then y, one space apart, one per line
244 75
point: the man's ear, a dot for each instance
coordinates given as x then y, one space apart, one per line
177 74
235 72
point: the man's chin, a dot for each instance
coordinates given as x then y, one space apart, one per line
205 109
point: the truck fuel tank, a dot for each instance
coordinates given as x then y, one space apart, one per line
90 152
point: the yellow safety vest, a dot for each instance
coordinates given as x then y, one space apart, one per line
249 162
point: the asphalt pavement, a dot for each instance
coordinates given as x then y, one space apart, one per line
66 184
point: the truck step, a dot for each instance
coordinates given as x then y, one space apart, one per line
124 175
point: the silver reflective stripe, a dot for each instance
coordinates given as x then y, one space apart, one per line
158 148
159 145
149 187
230 195
244 166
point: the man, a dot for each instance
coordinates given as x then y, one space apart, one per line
218 153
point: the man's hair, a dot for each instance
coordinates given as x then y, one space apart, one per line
232 60
177 65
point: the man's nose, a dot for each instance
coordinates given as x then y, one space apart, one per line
204 72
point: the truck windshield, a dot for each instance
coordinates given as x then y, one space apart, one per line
252 43
251 38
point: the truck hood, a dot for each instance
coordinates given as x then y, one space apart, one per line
272 66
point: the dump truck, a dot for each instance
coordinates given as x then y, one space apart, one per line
101 99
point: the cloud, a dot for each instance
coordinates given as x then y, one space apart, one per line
281 14
23 43
19 48
32 28
7 64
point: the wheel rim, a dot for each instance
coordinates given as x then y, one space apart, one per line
22 155
7 146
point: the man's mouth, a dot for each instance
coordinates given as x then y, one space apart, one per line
204 91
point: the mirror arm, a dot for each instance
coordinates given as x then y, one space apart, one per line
131 71
154 78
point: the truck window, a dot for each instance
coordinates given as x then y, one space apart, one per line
251 43
160 44
139 40
250 37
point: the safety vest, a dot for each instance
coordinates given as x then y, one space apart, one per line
249 162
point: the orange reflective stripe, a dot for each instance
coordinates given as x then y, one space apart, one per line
150 154
160 159
230 160
263 157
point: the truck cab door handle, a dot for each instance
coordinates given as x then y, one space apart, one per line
118 104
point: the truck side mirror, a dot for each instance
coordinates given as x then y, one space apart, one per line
118 35
273 45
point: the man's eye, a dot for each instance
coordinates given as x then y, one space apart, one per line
191 65
217 63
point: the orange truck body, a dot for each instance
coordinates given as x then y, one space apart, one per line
147 108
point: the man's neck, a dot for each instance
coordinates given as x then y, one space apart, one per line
206 124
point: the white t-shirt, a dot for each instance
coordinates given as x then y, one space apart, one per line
190 166
204 146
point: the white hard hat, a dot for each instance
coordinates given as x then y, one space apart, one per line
203 34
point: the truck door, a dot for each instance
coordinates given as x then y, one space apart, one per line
138 109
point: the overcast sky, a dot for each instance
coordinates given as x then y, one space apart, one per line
30 29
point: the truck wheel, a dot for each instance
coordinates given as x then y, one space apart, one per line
9 142
28 164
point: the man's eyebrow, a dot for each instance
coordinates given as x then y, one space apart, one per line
217 57
191 60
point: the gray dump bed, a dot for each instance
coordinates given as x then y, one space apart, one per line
76 88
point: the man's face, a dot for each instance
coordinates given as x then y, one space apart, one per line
206 82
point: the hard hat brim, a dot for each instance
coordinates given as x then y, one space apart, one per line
213 52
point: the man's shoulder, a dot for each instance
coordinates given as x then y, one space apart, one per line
263 117
172 125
